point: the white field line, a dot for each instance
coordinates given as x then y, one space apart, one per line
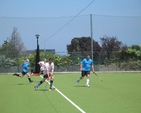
82 111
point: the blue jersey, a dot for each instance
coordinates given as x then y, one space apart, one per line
86 64
25 67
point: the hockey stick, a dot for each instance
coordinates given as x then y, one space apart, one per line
98 76
45 86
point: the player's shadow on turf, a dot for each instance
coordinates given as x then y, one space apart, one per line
21 84
80 86
42 90
35 81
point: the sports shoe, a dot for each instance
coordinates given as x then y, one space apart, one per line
31 81
52 87
36 88
14 74
77 81
49 89
87 85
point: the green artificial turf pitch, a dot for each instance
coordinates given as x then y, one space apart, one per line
118 93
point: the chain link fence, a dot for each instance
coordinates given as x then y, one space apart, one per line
103 61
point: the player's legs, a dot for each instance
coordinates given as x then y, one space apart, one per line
88 78
28 76
40 82
18 75
51 81
82 76
40 73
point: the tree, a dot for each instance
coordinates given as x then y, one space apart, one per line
122 53
13 45
131 59
4 46
136 47
130 53
6 63
110 45
80 46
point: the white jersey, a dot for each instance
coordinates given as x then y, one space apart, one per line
50 66
44 67
41 68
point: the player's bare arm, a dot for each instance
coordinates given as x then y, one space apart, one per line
80 67
92 68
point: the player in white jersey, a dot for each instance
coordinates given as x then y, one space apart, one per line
41 66
46 73
51 72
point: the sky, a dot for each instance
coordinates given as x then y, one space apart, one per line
57 21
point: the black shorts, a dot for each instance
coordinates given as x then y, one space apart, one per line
45 76
85 73
24 72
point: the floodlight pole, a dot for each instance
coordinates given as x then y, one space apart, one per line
91 30
45 46
37 67
37 36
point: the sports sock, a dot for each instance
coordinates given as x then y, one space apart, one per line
78 79
16 74
51 83
29 79
87 81
39 83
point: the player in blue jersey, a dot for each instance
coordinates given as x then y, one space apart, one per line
25 66
85 66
